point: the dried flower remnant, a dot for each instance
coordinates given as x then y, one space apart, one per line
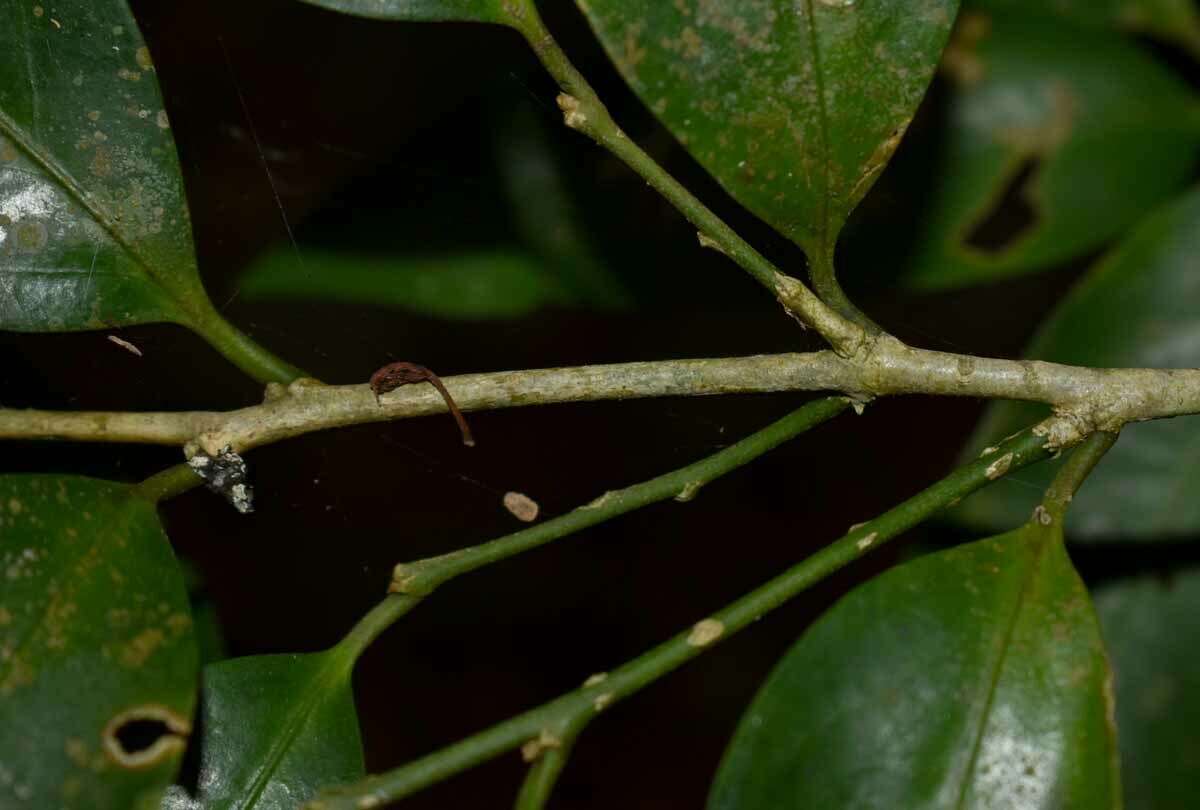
394 375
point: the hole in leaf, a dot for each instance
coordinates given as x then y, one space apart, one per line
144 736
1011 216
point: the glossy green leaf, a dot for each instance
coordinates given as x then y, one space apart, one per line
972 678
795 107
1058 139
1172 20
98 666
1137 308
1152 629
468 286
276 728
94 230
493 11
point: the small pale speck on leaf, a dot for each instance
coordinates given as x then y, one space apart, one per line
593 680
602 701
521 506
867 541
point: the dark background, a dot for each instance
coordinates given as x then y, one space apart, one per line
383 134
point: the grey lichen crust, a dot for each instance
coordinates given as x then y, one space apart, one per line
224 473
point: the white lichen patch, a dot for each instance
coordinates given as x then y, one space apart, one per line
594 680
705 632
600 502
1042 516
867 541
225 473
999 467
544 741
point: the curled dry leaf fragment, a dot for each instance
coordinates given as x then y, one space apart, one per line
126 345
522 507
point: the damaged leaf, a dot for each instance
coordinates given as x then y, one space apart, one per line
98 662
1057 139
1137 308
795 107
973 678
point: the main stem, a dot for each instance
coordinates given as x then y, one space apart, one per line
564 714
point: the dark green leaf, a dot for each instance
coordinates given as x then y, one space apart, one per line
1153 633
1173 20
1059 138
493 11
94 230
795 107
545 210
98 664
276 729
1136 308
972 678
468 286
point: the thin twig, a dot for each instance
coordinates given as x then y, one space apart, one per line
600 693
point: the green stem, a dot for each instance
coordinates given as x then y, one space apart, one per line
369 627
544 772
585 112
823 275
1074 472
599 693
168 483
421 577
241 350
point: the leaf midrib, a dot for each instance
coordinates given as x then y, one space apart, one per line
822 124
320 684
997 669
